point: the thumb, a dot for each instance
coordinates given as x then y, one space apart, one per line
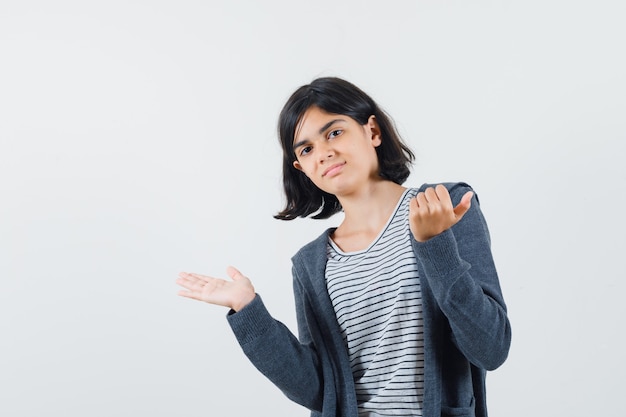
464 205
234 273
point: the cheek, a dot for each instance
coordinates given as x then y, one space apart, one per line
308 163
308 170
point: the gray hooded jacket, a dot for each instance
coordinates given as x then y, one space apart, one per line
467 331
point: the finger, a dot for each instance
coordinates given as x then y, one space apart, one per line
192 286
193 282
189 276
431 195
443 195
189 294
421 200
234 273
185 280
464 205
183 276
201 279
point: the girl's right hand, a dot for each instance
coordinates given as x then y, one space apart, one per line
235 294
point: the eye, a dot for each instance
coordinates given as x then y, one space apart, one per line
305 150
334 133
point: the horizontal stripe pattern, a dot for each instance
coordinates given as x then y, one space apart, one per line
377 300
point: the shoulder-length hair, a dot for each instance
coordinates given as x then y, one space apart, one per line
337 96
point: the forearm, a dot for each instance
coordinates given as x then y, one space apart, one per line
462 276
277 353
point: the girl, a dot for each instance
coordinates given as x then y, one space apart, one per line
399 308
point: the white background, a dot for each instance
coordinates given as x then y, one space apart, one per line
138 140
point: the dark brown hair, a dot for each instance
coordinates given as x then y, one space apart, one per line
337 96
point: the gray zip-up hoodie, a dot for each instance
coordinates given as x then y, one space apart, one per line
467 331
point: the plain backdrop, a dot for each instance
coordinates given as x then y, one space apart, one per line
138 139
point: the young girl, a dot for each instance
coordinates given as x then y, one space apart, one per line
399 308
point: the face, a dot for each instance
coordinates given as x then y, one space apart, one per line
336 152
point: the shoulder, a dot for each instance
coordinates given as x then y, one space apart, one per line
309 263
314 247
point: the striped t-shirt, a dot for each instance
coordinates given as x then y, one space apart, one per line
377 300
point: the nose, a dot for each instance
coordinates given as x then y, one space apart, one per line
326 151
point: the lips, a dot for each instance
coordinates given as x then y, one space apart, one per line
333 169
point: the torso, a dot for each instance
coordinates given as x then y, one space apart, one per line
376 296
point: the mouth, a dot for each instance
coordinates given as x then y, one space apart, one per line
333 169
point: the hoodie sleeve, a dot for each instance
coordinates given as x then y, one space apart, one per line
272 348
460 270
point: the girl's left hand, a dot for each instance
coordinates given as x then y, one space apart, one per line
431 212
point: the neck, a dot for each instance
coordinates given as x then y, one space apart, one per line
370 208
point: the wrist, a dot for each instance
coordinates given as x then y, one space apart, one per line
243 301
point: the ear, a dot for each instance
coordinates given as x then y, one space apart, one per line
374 130
297 165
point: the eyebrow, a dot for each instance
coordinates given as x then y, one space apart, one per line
320 131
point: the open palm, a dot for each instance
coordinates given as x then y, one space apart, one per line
235 294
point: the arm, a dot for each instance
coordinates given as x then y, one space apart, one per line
291 365
459 267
